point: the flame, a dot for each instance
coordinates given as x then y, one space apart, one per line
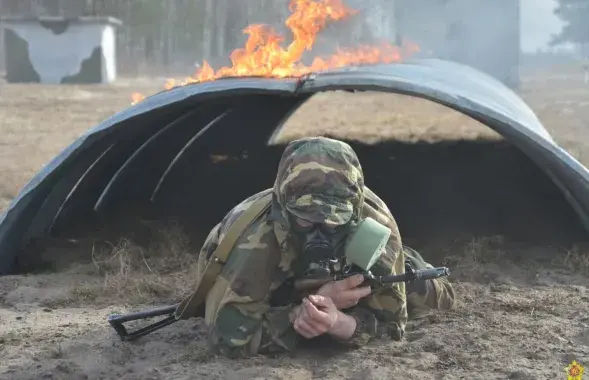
137 97
265 56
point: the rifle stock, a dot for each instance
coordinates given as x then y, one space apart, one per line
117 321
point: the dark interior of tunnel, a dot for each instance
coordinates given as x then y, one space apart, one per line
438 192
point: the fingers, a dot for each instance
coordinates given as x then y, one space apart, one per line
322 310
350 282
305 329
349 298
359 292
311 321
315 300
313 314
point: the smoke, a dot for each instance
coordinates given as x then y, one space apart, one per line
486 34
373 24
538 24
375 19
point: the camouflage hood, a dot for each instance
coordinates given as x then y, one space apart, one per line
319 180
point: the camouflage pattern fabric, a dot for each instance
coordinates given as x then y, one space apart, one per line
321 180
424 296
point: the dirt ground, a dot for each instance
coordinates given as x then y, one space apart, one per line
522 313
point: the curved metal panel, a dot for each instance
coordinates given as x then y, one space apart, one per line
478 96
78 185
181 152
137 120
120 174
456 86
452 84
55 201
178 96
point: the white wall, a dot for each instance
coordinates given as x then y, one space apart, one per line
55 56
109 66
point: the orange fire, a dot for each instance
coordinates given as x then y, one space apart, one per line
265 56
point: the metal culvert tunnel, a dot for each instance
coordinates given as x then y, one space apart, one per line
161 158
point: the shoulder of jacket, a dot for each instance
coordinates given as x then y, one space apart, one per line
238 210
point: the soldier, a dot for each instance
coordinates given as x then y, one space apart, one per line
319 190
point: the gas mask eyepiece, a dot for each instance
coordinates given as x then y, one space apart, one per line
320 245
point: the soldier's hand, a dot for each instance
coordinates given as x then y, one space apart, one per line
316 316
345 293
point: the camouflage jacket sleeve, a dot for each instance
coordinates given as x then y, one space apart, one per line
238 315
384 313
422 296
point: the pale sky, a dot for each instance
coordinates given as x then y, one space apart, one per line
538 23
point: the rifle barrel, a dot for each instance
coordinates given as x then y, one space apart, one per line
431 273
412 275
420 274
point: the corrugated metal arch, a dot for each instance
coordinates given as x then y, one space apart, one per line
90 174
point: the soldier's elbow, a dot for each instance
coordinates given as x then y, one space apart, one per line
449 299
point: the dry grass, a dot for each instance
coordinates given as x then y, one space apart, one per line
162 271
473 255
576 261
373 117
38 121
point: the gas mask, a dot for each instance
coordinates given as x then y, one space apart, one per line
321 246
325 250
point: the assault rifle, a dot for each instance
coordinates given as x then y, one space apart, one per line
316 280
306 283
365 246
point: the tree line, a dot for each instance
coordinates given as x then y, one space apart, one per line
166 32
575 16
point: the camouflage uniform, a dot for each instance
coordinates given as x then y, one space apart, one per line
319 179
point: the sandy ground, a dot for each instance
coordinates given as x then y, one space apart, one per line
522 314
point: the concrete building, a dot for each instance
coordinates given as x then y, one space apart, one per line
60 50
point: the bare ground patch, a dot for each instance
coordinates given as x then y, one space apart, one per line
517 318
